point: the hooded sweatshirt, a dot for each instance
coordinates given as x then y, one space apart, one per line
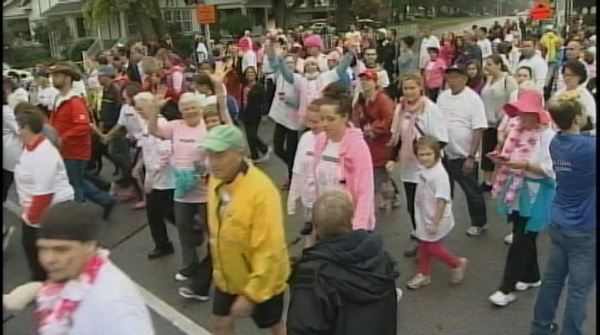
344 285
355 175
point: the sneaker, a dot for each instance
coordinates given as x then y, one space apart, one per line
413 235
475 231
139 205
182 275
501 299
458 274
521 286
485 187
508 239
7 232
264 157
418 281
160 252
398 295
187 293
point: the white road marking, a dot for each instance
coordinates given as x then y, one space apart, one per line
168 312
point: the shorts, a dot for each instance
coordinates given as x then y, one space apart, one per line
265 315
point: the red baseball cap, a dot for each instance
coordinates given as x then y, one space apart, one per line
370 74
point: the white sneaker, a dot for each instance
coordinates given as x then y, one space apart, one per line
180 277
475 231
187 293
508 239
501 299
521 286
398 295
419 280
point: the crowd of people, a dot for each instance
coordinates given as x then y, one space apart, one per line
347 120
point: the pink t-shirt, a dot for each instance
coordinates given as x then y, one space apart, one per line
434 73
187 154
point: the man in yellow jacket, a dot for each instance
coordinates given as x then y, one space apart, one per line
247 239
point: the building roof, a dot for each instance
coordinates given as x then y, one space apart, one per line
64 8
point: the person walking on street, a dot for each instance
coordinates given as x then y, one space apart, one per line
344 285
102 298
530 58
464 113
573 225
71 120
250 256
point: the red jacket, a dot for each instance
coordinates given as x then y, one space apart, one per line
377 115
72 123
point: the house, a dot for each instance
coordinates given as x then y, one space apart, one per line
66 23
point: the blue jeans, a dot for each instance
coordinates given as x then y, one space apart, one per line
94 194
573 254
76 172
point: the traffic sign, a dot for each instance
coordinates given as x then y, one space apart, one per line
206 14
540 12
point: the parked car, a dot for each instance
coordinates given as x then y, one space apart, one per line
24 76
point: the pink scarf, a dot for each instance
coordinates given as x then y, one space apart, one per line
410 112
517 147
57 302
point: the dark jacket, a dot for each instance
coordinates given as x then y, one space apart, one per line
133 73
110 107
344 286
386 52
256 106
469 53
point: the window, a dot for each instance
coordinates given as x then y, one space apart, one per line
132 28
180 18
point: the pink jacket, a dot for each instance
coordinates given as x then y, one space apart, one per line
434 73
356 169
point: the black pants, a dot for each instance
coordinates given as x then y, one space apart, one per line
410 190
270 93
257 146
521 262
7 180
285 142
469 184
28 239
159 206
489 141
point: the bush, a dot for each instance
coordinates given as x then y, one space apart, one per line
24 57
183 44
81 45
235 24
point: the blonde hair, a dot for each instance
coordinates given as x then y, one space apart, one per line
332 213
210 110
527 85
189 97
150 65
146 97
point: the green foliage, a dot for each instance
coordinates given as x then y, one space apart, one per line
98 10
235 23
81 45
183 44
25 57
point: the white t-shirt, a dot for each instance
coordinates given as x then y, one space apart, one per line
40 172
202 52
249 59
464 113
79 88
433 184
131 120
11 142
539 67
302 167
47 96
486 47
156 154
328 168
19 95
431 123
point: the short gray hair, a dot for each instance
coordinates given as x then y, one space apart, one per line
146 97
332 213
189 97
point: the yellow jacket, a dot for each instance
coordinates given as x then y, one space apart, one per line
247 237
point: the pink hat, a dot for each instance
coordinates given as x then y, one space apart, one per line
334 55
245 44
313 41
529 101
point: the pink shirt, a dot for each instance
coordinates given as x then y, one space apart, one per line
187 153
434 73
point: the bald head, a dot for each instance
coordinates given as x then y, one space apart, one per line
332 214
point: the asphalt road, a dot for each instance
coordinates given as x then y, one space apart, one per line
438 309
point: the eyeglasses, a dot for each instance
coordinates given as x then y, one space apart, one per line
370 54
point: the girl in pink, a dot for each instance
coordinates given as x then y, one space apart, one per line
301 171
447 51
342 158
433 215
434 73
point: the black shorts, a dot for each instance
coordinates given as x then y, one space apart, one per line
265 315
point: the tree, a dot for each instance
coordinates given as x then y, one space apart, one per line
282 11
342 14
365 8
146 13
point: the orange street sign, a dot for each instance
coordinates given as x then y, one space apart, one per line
540 12
206 14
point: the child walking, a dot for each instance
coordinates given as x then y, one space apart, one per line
302 162
433 215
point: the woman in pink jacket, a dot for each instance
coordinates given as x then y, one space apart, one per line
342 158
